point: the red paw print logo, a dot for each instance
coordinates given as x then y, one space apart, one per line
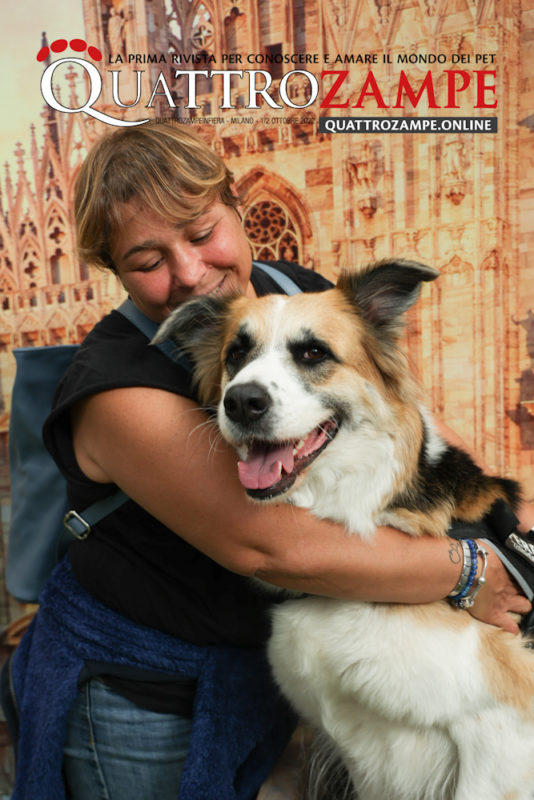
78 45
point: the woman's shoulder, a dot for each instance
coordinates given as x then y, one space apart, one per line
115 354
306 279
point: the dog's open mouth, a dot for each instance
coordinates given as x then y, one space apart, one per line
271 468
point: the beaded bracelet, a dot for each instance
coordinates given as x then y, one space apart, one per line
468 553
472 572
467 600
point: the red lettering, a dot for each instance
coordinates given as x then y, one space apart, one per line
373 91
451 85
482 88
458 81
342 75
426 86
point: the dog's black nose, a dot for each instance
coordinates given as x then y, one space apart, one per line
246 402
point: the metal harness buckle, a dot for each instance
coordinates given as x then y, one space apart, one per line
76 525
521 546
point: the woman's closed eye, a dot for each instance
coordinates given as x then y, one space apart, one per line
151 266
200 238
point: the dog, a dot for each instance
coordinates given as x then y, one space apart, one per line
419 702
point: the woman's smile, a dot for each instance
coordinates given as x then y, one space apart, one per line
162 264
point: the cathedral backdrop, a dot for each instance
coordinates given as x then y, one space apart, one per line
462 202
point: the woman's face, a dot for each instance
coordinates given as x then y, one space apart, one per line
161 265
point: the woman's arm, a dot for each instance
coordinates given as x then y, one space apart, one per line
162 451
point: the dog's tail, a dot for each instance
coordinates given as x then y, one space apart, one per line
511 491
325 775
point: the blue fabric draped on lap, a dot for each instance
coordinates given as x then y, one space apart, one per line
241 724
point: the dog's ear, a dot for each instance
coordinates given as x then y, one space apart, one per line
188 324
196 327
382 292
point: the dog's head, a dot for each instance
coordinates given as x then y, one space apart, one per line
287 374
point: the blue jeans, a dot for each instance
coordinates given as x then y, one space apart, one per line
118 751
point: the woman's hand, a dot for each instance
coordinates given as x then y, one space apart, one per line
499 597
526 517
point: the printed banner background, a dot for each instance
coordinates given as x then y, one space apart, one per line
460 201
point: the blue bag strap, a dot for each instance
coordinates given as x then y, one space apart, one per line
79 525
284 281
147 326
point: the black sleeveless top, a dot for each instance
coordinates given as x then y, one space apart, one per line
131 562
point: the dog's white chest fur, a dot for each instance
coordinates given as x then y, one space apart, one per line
347 488
406 696
407 703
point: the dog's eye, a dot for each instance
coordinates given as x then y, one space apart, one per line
238 349
313 354
236 353
310 353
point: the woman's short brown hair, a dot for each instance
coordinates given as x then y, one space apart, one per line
164 165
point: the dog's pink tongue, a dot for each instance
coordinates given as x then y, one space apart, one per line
262 467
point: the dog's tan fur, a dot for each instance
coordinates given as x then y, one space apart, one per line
363 360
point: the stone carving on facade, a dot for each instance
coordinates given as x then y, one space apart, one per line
174 24
272 231
251 141
284 135
523 413
365 169
450 44
492 262
384 11
115 33
527 323
202 31
233 9
456 265
130 39
336 250
454 164
370 248
298 90
413 239
338 9
450 241
430 7
491 230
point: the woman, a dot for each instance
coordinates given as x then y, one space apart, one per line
154 616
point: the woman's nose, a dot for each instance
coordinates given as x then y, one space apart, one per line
187 267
